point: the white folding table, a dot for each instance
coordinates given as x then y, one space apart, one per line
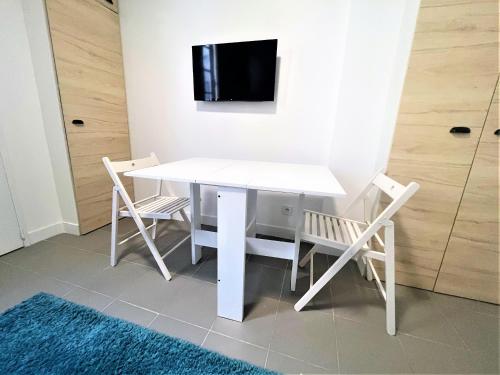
237 184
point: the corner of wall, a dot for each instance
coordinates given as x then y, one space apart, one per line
36 24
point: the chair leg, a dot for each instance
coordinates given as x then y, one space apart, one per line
390 279
299 223
306 258
155 252
369 273
153 231
195 221
327 276
295 264
114 226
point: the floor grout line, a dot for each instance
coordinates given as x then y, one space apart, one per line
151 322
267 354
182 321
237 339
109 304
454 329
300 360
139 307
408 362
209 330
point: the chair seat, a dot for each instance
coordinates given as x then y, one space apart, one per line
161 207
320 227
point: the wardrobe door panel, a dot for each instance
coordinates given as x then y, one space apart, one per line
450 80
88 58
471 263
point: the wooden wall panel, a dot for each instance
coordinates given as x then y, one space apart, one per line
450 80
87 52
471 264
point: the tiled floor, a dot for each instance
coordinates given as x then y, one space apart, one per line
342 331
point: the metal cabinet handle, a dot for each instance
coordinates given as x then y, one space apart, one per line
460 130
497 132
78 122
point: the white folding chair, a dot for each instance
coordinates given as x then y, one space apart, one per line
156 207
351 239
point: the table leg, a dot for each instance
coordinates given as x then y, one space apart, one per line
195 221
251 212
231 240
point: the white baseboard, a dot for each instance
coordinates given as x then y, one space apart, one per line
267 229
48 231
71 228
43 233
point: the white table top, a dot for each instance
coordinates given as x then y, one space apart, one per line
280 177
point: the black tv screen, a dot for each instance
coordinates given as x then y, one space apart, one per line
242 71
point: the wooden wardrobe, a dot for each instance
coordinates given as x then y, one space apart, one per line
447 235
88 58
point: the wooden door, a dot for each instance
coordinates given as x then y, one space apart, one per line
450 81
471 262
87 52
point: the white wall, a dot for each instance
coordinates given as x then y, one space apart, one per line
342 64
23 141
379 35
45 75
157 37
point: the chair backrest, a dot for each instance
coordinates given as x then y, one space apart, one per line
397 192
116 167
399 195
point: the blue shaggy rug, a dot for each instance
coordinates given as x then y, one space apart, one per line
49 335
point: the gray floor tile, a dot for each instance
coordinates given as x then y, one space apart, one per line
235 349
262 281
152 291
368 349
58 261
438 333
427 357
288 365
114 280
97 241
488 362
133 314
178 329
207 270
448 304
17 284
350 275
12 298
81 267
257 326
322 301
27 256
88 298
308 335
480 332
12 277
364 305
195 302
417 315
178 262
269 261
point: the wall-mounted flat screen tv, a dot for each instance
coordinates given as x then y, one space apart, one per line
243 71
